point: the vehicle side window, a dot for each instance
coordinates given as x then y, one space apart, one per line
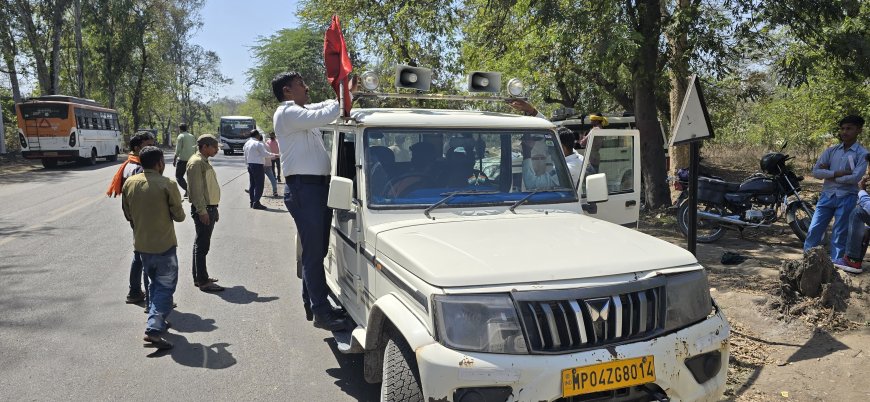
613 156
327 136
346 159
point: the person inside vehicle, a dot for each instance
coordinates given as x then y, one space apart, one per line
423 172
538 169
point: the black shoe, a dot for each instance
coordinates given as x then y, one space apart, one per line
257 205
309 315
331 321
135 297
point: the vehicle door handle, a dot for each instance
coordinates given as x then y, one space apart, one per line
630 203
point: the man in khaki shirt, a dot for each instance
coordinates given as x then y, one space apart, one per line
204 194
151 203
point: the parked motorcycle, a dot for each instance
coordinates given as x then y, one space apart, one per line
757 202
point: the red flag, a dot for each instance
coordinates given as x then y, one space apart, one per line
338 66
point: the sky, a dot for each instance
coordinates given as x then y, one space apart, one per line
231 27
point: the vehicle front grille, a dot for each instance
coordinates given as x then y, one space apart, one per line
571 324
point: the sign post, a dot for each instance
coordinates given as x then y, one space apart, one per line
693 126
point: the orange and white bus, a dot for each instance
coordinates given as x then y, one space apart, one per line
56 127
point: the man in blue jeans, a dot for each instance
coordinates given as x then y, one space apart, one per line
151 203
307 166
841 167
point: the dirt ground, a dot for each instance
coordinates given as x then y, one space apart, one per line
803 351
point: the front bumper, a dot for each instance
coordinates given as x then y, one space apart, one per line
538 377
61 155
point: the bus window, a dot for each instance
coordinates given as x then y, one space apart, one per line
35 111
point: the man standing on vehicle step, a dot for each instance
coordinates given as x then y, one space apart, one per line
306 165
841 167
185 147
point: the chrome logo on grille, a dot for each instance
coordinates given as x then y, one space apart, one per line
599 312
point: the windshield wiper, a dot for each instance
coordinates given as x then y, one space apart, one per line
450 195
540 190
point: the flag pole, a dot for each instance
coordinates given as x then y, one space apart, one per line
341 99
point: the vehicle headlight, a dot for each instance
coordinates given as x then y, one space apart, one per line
479 323
688 298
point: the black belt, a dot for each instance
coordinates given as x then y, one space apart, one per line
308 178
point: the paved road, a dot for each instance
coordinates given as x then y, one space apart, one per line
66 333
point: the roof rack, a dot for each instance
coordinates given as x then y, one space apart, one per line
385 95
64 98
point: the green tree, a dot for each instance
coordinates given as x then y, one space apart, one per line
300 50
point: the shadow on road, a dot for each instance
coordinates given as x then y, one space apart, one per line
189 322
49 175
349 375
240 295
215 356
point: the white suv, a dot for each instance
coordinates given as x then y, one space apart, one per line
474 273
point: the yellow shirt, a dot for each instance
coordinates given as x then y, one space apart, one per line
202 185
151 202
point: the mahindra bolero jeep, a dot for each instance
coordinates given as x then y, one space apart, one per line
476 269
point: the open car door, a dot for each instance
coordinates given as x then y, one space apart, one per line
616 153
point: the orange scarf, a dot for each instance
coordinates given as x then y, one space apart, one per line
117 181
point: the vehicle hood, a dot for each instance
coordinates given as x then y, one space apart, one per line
524 249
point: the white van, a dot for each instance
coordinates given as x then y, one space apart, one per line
468 280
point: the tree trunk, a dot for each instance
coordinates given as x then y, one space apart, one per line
644 71
80 60
25 13
56 31
679 76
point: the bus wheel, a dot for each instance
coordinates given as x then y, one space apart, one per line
93 159
113 157
49 163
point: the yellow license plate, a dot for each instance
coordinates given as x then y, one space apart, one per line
608 376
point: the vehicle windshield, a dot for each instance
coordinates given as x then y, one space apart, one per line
417 167
236 128
32 111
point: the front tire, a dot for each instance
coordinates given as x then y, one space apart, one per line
49 163
799 216
401 378
707 231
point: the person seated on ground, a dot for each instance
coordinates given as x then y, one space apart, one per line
859 219
538 169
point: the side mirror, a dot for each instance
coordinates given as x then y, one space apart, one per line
596 188
340 194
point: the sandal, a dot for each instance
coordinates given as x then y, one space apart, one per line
211 287
212 280
157 342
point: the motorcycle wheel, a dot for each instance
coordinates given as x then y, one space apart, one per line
799 216
708 231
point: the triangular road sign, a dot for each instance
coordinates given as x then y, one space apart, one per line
693 123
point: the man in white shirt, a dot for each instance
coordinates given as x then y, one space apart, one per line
402 153
255 155
574 160
306 165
